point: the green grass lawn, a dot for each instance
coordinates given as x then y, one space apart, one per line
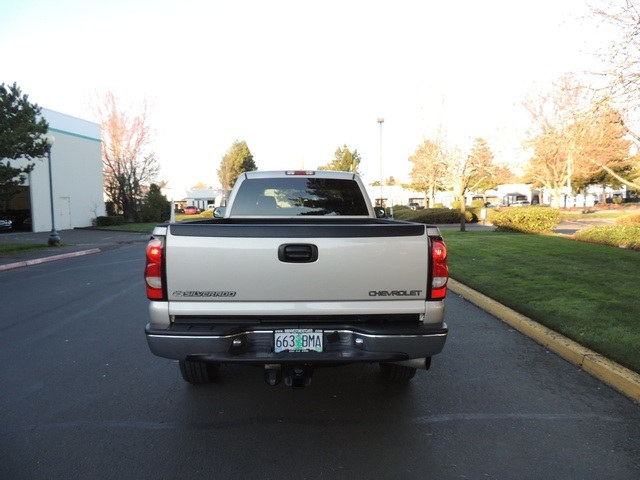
132 227
13 248
587 292
148 227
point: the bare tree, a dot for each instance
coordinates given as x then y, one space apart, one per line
621 76
553 136
604 147
621 58
128 164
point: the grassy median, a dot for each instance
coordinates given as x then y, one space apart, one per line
587 292
13 248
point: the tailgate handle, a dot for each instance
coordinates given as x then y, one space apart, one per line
298 253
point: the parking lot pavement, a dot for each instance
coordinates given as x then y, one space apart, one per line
611 373
76 242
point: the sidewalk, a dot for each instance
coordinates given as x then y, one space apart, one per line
73 243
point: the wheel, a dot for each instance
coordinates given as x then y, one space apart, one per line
199 373
396 373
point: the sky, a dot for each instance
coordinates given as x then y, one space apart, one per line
298 79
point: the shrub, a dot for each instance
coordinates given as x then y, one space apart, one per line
526 219
156 207
110 209
207 214
400 208
477 203
403 214
629 220
109 221
433 215
625 236
472 214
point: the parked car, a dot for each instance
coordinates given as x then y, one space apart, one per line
521 203
190 210
5 225
415 206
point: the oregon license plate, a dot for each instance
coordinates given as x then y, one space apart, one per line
298 340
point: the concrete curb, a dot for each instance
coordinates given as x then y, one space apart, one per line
52 258
617 376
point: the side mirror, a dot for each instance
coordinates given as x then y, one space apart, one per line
219 212
380 212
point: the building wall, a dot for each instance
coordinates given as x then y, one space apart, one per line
76 166
394 195
202 198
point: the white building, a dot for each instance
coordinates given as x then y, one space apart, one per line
206 197
76 175
394 195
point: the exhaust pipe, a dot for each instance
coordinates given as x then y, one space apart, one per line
422 363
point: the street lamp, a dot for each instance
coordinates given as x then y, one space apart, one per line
381 121
54 238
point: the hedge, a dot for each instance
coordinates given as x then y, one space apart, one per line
620 236
109 221
433 215
629 220
526 219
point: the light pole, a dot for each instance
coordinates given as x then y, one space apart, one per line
54 238
381 121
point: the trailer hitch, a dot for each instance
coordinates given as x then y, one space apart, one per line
295 376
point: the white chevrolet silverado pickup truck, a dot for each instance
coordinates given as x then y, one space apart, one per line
297 271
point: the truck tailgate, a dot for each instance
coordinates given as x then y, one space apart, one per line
229 262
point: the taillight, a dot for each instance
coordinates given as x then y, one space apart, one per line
153 270
440 270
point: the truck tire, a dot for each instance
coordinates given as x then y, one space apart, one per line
396 373
199 373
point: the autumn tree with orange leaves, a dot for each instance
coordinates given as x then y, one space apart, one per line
574 136
428 169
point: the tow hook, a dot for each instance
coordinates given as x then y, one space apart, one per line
297 376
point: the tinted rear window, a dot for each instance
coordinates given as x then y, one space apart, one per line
293 196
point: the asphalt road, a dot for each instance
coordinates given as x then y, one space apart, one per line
81 396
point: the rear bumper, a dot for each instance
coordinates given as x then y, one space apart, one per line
255 344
